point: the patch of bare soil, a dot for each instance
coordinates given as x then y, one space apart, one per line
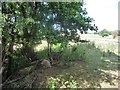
44 73
81 73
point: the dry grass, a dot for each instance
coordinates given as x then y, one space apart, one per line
98 69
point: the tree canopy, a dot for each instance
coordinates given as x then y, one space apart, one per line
25 24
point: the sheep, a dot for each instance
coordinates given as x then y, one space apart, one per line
46 63
56 55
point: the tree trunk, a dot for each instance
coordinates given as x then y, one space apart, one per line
49 50
30 54
10 59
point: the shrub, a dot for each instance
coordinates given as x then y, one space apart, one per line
76 52
104 33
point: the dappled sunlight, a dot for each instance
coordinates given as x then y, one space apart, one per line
103 44
107 60
112 47
48 45
87 77
111 76
84 67
41 46
112 72
112 62
98 67
17 46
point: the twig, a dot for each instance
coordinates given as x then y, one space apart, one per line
35 77
19 70
32 63
6 80
33 81
9 82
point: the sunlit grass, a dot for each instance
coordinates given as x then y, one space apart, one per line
90 63
112 47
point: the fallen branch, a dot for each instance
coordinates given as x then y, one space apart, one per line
35 62
9 82
1 85
34 80
32 63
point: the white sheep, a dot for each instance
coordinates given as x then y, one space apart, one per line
46 63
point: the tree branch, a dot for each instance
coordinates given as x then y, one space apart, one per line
15 80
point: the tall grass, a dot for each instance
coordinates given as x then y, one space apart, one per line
112 47
70 53
80 51
42 54
75 52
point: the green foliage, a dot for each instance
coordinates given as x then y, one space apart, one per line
22 84
66 54
28 23
76 52
19 60
104 33
71 53
51 83
82 75
42 54
57 47
61 83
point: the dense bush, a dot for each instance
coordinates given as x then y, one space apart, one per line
104 33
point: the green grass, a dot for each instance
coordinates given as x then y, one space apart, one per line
57 47
90 66
111 46
42 54
83 65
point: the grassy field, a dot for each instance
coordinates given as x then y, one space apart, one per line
90 65
103 43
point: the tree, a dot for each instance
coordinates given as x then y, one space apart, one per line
15 31
104 32
68 17
27 23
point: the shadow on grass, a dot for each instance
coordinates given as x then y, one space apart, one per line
42 54
97 67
